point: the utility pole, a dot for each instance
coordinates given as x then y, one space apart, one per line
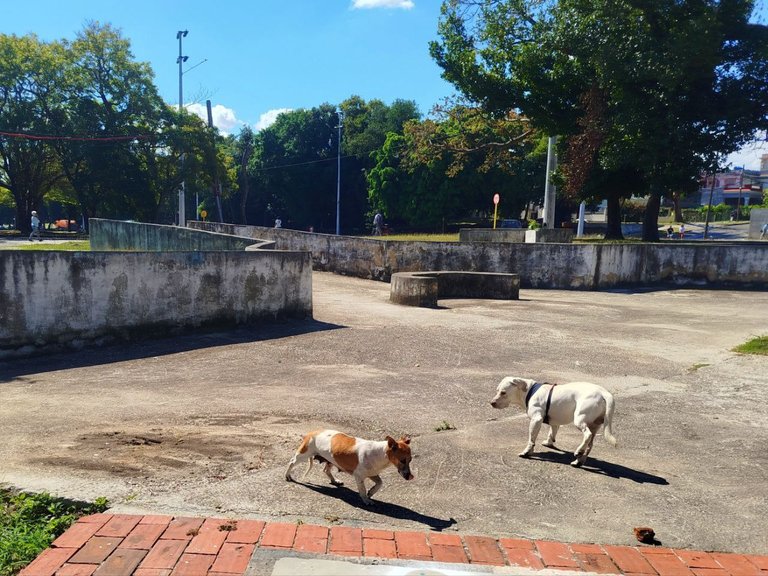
549 187
216 181
338 176
180 61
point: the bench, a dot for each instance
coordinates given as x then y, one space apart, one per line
424 288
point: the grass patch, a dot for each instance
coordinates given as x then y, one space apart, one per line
418 237
30 522
70 245
757 345
444 425
697 366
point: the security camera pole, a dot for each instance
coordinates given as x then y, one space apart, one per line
180 60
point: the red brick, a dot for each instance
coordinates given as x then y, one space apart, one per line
311 538
143 536
278 535
521 557
77 535
667 564
122 563
48 562
628 559
375 547
599 563
233 558
345 540
440 539
587 548
164 554
209 538
453 554
379 534
119 526
246 532
99 519
516 543
484 550
711 572
736 564
759 561
95 550
412 545
77 570
556 554
650 550
193 565
156 519
696 559
182 528
152 572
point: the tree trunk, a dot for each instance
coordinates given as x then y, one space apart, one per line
613 217
678 210
651 219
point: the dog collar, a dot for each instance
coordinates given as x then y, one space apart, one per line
531 392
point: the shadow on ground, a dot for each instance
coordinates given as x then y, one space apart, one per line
150 348
596 466
352 498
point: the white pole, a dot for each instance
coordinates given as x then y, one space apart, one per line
182 199
580 227
338 177
549 187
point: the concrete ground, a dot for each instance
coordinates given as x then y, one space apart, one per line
204 425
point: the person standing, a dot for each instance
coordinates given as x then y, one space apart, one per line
378 224
682 231
36 227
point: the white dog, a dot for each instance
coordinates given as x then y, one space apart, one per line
584 404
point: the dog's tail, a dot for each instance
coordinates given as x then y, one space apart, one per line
609 408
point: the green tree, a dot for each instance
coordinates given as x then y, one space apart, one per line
30 84
681 83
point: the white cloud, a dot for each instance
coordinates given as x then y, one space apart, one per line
404 4
268 118
223 118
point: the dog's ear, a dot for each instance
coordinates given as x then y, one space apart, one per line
391 442
521 383
406 439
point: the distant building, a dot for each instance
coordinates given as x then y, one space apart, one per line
738 187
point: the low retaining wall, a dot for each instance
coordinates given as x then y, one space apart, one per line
561 266
113 235
424 288
556 235
59 300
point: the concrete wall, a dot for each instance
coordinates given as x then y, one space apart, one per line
757 217
555 235
126 235
59 300
563 266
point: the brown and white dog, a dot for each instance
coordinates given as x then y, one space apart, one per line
586 405
360 458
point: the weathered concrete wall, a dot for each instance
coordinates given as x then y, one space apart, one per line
555 235
55 300
563 266
757 217
123 235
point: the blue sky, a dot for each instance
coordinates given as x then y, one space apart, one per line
264 56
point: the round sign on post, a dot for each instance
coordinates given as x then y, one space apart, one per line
495 209
203 214
496 199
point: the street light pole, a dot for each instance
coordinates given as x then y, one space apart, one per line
180 61
549 187
338 176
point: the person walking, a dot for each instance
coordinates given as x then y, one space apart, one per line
36 227
763 230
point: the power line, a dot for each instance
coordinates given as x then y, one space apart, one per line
25 136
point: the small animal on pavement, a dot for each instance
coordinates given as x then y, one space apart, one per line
361 458
583 404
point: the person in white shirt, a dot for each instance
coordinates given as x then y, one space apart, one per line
36 227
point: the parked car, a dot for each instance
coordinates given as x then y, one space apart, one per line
511 223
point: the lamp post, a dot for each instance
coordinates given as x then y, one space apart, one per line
549 187
338 175
180 61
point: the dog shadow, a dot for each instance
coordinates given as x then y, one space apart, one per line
352 498
597 466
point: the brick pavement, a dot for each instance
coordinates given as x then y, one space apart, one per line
121 544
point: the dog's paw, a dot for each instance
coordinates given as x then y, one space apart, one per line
577 463
288 478
525 454
549 444
368 502
337 483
